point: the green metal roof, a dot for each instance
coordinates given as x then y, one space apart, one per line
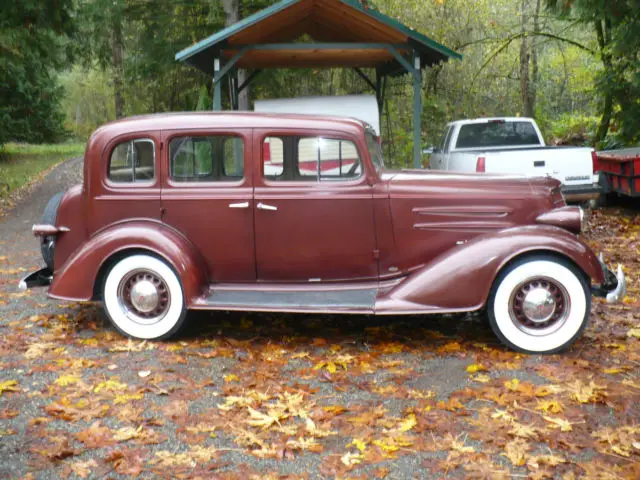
420 42
225 33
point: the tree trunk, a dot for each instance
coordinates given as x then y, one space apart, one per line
533 87
524 65
232 15
602 33
116 45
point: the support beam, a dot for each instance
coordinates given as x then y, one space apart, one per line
249 79
232 63
235 94
381 87
401 60
327 46
417 111
362 75
217 87
218 75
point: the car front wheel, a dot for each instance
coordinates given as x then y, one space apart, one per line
143 298
539 305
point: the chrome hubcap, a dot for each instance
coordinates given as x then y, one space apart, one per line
539 306
144 296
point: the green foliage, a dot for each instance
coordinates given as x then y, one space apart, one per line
204 100
33 43
125 55
66 149
21 163
88 101
571 129
616 24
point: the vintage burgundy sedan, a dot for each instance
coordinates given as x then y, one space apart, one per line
285 213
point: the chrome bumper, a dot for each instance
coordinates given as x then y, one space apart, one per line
41 278
614 287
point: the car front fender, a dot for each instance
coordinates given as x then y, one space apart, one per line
75 279
460 279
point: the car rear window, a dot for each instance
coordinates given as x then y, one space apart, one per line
497 134
132 161
213 158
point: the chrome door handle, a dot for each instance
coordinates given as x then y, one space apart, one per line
239 205
264 206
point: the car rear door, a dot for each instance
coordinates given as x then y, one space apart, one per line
207 195
129 185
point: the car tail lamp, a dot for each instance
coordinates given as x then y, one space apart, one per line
595 162
480 165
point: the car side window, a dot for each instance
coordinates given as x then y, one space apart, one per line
213 158
316 159
132 161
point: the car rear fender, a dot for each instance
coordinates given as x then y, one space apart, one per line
460 279
77 277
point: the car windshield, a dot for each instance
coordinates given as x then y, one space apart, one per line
375 152
497 134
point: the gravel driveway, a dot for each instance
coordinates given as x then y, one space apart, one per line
292 396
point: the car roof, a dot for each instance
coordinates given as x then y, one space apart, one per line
229 120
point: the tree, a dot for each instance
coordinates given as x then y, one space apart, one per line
100 40
617 27
529 58
33 44
232 15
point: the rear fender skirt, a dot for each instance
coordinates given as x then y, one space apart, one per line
460 279
75 279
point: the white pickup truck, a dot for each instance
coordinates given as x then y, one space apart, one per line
515 145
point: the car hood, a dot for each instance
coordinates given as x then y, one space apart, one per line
480 184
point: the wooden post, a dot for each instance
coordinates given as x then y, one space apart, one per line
417 111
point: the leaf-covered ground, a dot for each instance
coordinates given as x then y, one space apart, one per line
289 396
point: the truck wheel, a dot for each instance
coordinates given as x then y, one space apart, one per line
143 298
540 304
49 218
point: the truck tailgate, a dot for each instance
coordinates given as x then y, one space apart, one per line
570 165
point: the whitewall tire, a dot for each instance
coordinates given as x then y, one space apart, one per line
143 298
540 304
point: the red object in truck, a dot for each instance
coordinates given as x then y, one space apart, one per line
620 171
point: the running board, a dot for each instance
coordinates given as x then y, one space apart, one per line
310 301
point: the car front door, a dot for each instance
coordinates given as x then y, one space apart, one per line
314 218
207 194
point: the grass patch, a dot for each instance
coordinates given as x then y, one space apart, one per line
21 163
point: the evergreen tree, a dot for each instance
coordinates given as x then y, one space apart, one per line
34 42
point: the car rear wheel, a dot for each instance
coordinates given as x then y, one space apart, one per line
539 305
49 218
143 298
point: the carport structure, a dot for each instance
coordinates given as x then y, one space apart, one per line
343 34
